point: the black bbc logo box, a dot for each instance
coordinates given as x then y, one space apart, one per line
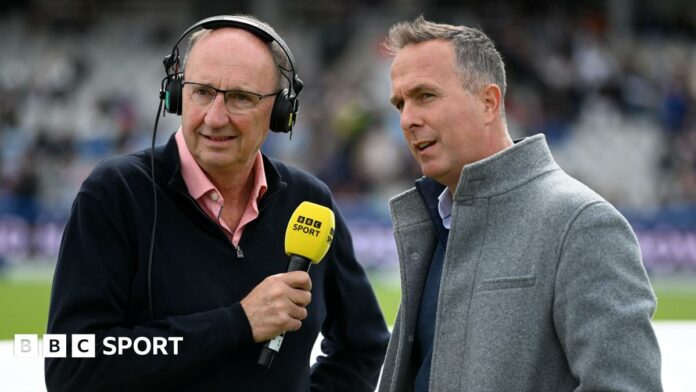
309 222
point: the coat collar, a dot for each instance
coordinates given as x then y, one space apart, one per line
527 159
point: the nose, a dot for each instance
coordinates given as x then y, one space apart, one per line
217 115
409 117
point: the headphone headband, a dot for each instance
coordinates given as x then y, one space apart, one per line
253 26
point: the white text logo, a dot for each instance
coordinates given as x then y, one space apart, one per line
84 345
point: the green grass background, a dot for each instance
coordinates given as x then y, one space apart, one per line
24 302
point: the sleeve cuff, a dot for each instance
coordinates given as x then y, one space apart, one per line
231 326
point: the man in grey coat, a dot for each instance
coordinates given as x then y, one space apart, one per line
514 276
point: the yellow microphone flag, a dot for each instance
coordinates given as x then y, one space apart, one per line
310 231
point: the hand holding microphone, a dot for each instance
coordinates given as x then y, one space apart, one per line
278 303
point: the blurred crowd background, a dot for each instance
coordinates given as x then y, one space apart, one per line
612 85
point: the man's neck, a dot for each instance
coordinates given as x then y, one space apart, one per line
235 185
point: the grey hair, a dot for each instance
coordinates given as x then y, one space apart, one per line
281 59
477 61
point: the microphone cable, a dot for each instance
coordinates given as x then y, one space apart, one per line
154 202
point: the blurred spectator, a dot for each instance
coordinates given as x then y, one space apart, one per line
80 84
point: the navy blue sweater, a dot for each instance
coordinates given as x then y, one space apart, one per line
429 190
100 287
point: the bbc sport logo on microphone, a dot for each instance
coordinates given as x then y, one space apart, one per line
309 221
306 225
310 231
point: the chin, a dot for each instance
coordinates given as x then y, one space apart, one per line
431 172
215 162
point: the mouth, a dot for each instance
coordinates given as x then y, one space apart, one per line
218 138
422 146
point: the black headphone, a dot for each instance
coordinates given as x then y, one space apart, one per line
285 106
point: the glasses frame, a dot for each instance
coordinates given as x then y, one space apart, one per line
234 90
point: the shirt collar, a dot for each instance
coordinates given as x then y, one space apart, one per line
260 183
198 183
444 207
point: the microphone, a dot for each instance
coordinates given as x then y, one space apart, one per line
307 239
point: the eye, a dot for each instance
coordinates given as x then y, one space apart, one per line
203 92
426 97
399 105
239 96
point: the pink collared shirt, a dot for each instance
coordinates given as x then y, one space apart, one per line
210 199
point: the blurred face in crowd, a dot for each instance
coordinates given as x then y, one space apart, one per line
445 126
225 136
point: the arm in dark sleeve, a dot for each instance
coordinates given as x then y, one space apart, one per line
91 294
604 304
355 333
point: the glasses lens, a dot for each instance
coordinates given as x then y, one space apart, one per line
202 95
241 100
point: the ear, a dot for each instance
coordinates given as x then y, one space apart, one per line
491 96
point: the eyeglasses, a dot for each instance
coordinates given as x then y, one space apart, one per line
235 100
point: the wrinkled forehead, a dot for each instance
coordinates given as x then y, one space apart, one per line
232 44
232 51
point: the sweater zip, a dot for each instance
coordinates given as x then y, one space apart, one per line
240 254
238 249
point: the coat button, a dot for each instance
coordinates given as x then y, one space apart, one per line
415 256
410 338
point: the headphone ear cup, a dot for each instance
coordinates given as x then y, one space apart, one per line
172 94
283 114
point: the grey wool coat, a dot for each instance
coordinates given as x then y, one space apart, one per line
542 288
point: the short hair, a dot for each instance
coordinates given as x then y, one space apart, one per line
476 59
281 59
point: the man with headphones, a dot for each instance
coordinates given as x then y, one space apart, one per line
204 259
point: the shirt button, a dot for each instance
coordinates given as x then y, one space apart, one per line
214 196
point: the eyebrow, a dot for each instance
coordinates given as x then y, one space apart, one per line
395 100
411 92
215 82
